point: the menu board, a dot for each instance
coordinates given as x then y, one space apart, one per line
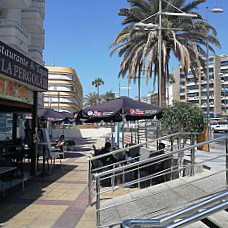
13 91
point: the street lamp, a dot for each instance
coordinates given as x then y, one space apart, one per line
215 10
121 87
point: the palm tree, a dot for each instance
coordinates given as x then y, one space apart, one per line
91 99
108 96
97 82
185 38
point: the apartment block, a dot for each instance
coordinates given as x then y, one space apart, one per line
187 88
21 27
65 92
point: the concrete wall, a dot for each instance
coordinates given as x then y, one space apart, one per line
80 133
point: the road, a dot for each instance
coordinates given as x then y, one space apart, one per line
222 142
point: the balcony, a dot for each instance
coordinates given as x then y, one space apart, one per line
14 34
37 39
19 4
32 19
36 54
40 4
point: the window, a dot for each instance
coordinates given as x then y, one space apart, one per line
224 71
193 94
193 87
205 93
224 63
6 130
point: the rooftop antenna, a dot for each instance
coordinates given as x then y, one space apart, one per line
54 60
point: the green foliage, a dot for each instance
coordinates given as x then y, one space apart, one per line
139 50
91 99
183 117
108 96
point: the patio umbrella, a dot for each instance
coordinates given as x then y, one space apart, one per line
118 108
68 116
50 114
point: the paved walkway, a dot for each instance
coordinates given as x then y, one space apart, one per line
58 200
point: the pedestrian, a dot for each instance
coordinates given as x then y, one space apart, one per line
159 165
61 142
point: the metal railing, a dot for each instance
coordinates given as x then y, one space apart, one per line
123 162
99 177
194 210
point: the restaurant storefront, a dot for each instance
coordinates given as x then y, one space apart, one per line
20 81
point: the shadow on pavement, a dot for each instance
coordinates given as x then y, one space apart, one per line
16 201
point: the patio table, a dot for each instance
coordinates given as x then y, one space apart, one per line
4 170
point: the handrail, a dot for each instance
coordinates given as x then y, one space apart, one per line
90 160
129 166
167 219
159 156
141 144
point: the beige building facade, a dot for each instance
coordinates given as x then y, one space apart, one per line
65 92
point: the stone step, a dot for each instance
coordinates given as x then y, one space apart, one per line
162 199
198 224
220 219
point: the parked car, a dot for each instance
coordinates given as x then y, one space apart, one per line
219 126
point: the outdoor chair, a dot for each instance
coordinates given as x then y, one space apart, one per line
52 153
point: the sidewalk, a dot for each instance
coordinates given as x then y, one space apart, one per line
59 200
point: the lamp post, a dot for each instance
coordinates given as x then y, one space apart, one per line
215 10
121 87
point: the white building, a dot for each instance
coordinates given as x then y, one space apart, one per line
21 27
187 89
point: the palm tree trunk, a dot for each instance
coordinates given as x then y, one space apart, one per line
163 89
139 85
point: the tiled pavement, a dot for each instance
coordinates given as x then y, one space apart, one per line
58 200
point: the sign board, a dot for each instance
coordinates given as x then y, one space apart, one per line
17 66
13 91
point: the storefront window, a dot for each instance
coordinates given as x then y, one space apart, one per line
6 128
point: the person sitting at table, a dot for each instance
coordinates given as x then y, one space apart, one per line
60 142
108 159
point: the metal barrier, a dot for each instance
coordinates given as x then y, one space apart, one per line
122 170
94 159
184 212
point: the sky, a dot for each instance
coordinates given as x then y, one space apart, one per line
79 33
